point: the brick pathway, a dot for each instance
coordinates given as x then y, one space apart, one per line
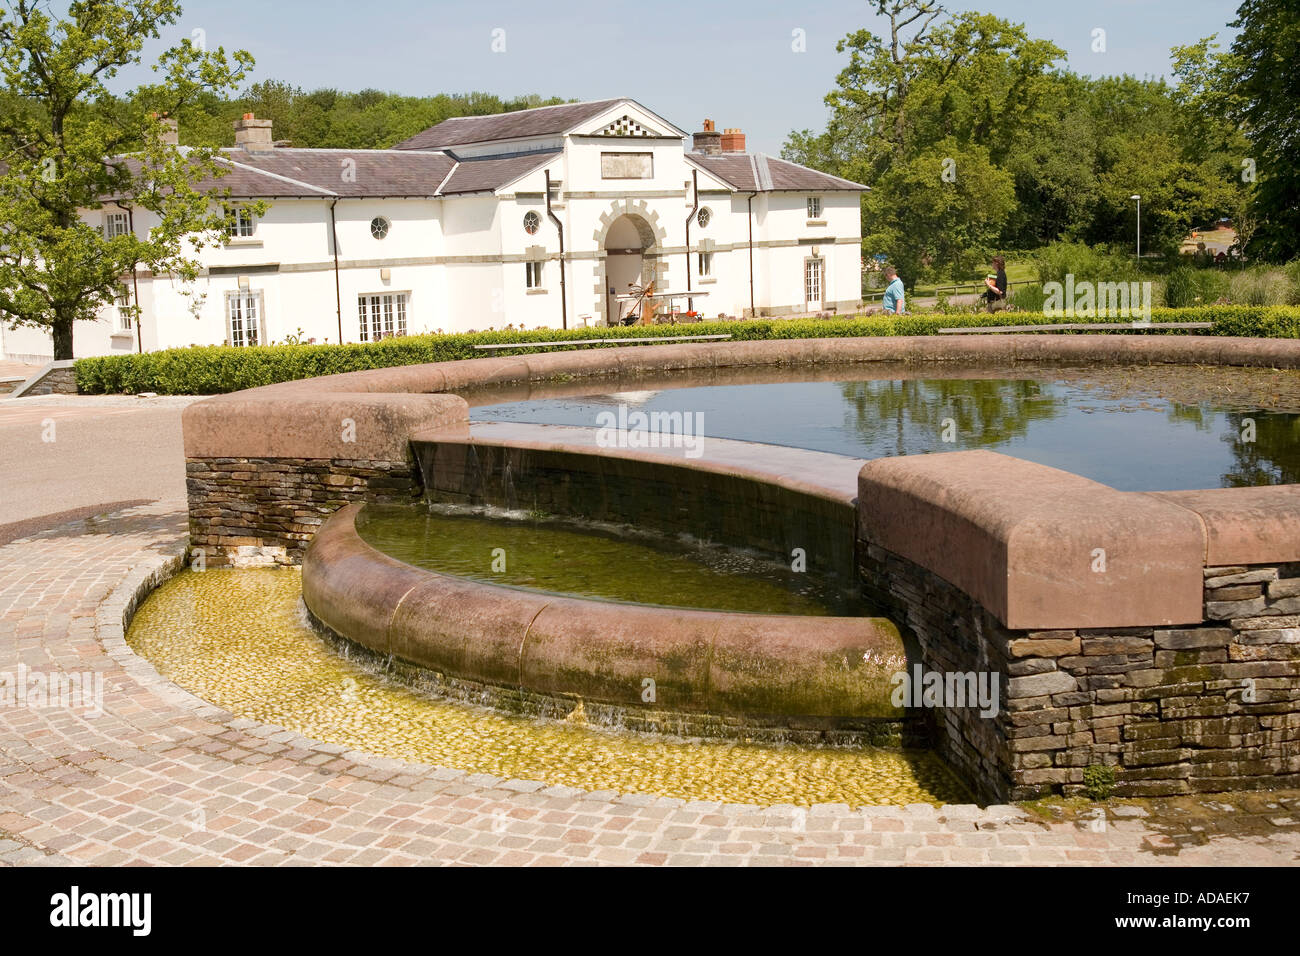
162 777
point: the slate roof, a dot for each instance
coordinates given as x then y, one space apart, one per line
758 172
541 121
336 172
483 175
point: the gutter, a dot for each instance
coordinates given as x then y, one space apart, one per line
334 243
135 285
559 227
695 198
750 218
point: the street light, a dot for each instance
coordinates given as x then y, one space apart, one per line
1139 235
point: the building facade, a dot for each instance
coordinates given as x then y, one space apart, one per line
548 217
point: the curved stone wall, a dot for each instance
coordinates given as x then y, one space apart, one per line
753 670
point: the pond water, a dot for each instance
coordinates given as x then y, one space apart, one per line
241 640
605 562
1135 429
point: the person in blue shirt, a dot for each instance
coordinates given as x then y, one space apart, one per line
893 299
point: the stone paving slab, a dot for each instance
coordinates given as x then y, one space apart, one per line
161 777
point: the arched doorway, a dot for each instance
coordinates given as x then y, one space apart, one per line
625 245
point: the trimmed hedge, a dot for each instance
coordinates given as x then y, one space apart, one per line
212 370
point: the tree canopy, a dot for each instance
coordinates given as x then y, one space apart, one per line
1029 152
67 145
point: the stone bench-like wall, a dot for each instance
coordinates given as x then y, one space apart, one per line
1120 634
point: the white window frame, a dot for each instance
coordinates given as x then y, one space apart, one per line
116 224
249 335
122 306
705 263
535 274
382 315
814 279
814 207
244 225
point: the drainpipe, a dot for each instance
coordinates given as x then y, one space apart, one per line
338 296
695 197
135 286
752 311
559 228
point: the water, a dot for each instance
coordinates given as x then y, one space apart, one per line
604 562
1135 429
240 639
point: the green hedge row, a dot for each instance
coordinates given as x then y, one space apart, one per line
211 370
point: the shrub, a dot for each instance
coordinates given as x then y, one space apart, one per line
1181 288
1260 287
1098 781
214 369
1086 263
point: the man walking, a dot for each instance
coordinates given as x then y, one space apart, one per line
893 300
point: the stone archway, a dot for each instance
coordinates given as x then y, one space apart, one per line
628 239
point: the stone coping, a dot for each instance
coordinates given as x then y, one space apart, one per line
1034 545
720 663
289 418
817 473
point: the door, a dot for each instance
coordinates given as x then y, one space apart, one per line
812 284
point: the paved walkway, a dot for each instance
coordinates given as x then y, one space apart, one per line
163 777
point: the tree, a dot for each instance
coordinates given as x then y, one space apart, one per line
940 211
1262 74
68 145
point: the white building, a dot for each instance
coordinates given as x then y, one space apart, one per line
537 218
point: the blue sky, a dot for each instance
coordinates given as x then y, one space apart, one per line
730 61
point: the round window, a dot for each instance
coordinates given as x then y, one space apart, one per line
704 216
379 227
532 222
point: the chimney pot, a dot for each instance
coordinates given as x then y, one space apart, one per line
733 140
253 134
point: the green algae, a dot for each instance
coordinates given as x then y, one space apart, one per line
240 639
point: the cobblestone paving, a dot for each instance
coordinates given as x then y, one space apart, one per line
162 777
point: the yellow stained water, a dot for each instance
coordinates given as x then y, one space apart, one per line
240 640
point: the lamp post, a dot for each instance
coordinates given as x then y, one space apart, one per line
1139 229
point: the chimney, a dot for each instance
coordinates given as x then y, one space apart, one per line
708 140
733 141
170 133
253 134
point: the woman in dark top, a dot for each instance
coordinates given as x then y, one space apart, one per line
997 286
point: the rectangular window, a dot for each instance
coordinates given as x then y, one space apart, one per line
382 315
115 224
124 311
533 274
242 223
244 314
812 280
627 166
706 264
814 207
